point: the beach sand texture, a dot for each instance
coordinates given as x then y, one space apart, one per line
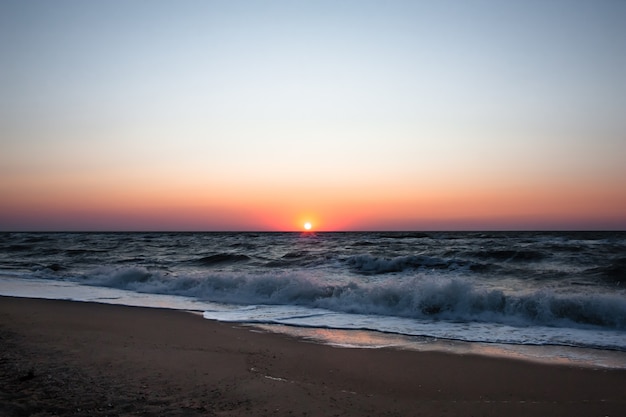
70 358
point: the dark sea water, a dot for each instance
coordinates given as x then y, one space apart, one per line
508 288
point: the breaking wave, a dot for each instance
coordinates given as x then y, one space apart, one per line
420 297
220 258
372 265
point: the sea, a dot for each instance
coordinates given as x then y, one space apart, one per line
556 297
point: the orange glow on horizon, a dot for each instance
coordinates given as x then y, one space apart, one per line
102 205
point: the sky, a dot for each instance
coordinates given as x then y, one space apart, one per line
350 115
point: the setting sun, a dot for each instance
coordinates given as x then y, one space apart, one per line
307 226
327 129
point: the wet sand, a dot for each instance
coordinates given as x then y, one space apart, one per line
72 358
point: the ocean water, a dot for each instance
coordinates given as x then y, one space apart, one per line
511 291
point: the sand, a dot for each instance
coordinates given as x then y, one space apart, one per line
72 358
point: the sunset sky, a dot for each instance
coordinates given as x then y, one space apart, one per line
351 115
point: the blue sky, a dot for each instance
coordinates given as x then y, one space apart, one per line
323 104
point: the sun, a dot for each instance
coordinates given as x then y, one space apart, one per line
307 226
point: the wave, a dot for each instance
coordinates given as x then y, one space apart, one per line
405 235
296 255
372 265
55 267
16 248
509 255
220 258
614 273
80 252
422 297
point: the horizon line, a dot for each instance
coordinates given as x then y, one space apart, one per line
324 231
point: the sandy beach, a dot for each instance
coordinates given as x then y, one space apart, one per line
72 358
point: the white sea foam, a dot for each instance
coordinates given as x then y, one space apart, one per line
422 297
12 286
488 332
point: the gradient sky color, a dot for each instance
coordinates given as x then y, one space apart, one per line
353 115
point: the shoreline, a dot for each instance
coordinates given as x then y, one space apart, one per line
76 358
595 357
563 355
